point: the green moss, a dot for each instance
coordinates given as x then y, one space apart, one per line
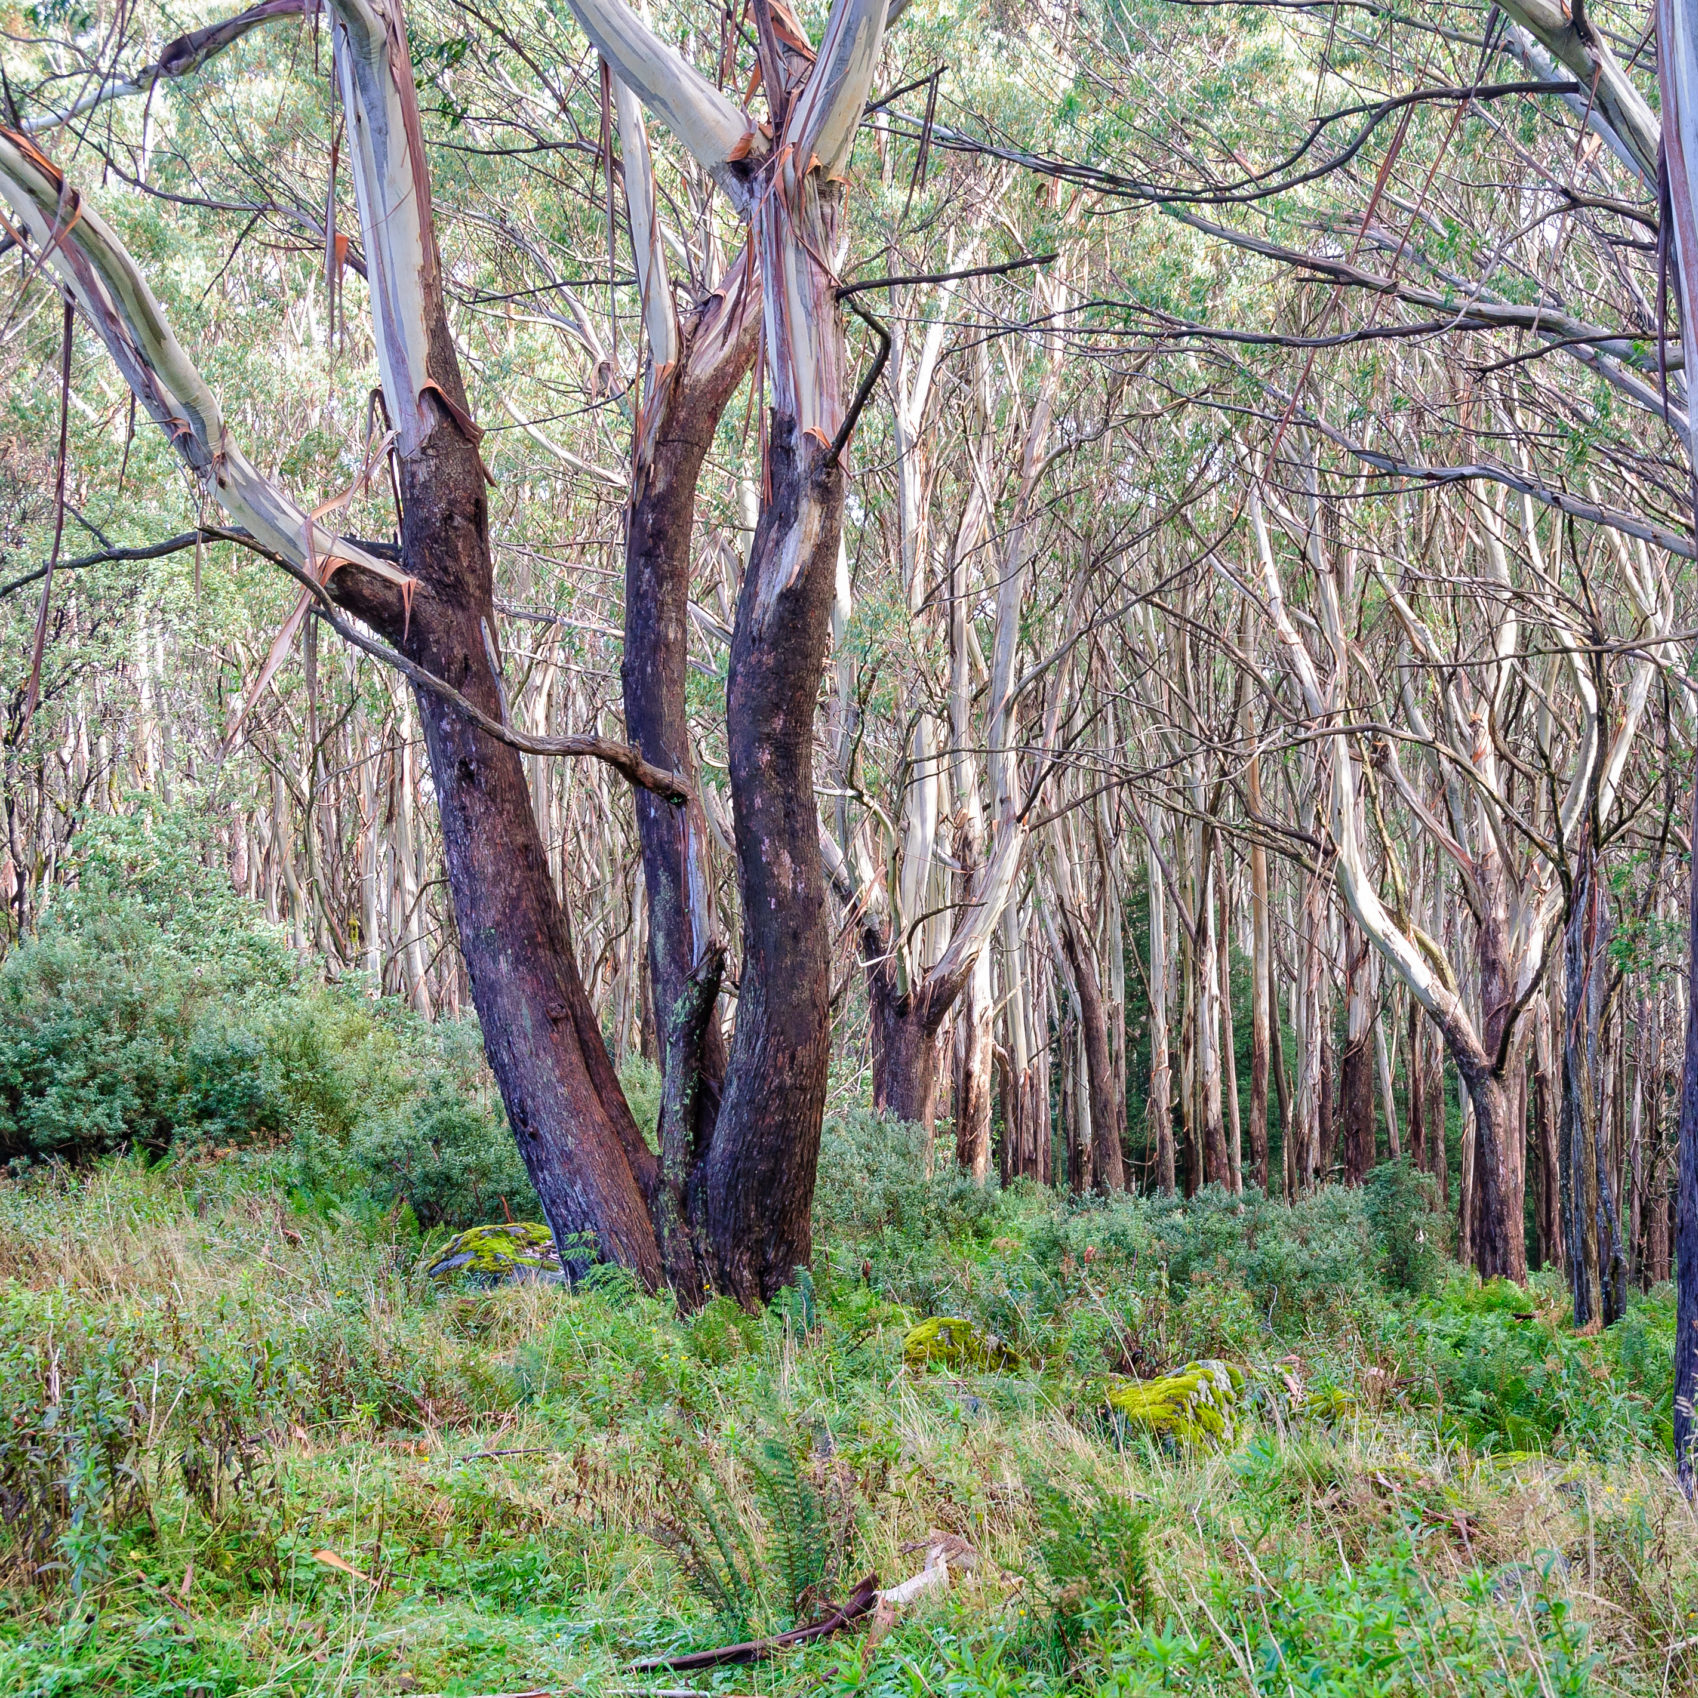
1198 1405
954 1343
514 1249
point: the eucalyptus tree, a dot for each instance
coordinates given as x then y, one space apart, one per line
432 610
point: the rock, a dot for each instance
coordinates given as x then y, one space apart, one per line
955 1343
1198 1405
507 1253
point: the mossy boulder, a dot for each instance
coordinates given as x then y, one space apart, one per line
513 1251
1196 1406
950 1342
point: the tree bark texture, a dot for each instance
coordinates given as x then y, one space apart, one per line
758 1179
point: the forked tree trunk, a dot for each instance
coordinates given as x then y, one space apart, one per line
756 1180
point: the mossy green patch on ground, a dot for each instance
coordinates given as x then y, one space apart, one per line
512 1249
1197 1405
948 1341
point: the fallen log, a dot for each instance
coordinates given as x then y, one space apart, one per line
858 1604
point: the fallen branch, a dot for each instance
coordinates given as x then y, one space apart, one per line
859 1603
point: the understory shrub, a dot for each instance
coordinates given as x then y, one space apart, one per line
155 1011
1292 1260
878 1179
1505 1374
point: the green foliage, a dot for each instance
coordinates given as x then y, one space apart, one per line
153 1011
641 1082
122 1022
1410 1233
1293 1260
1094 1546
446 1155
877 1180
191 1372
1505 1373
767 1558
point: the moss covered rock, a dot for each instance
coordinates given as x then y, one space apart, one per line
1198 1405
955 1343
514 1250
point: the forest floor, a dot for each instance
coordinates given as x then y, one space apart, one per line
251 1448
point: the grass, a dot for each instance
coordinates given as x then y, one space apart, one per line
203 1388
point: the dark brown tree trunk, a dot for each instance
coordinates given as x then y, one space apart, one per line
1499 1250
1328 1115
593 1173
758 1179
1108 1165
904 1046
1596 1269
675 431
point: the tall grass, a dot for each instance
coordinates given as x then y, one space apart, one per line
208 1379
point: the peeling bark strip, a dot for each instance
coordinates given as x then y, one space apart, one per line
186 54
